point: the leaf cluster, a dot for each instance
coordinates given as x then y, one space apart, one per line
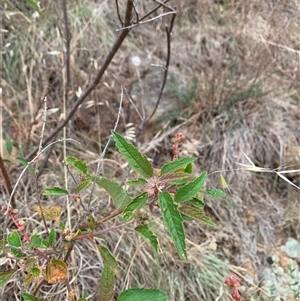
173 190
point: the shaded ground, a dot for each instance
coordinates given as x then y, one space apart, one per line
233 89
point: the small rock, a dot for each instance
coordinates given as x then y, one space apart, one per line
292 248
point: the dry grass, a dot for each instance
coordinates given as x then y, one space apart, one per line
233 88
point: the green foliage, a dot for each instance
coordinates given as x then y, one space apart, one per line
138 182
107 283
5 276
115 190
189 190
138 162
78 164
56 191
148 235
52 237
8 146
177 165
29 297
14 240
82 185
136 204
174 191
142 294
215 193
37 241
35 4
173 221
109 260
196 214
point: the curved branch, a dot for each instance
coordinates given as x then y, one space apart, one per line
169 33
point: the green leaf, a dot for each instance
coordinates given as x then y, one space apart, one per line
136 205
109 260
148 235
131 154
35 241
189 190
36 272
189 168
82 299
115 190
85 293
14 241
29 297
177 164
57 191
91 222
8 146
196 214
142 294
78 164
138 182
215 193
173 178
107 284
31 262
173 221
197 202
82 185
52 237
23 161
61 225
5 276
34 3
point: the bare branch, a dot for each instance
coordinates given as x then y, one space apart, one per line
136 14
152 11
118 13
164 5
7 182
147 21
67 41
166 69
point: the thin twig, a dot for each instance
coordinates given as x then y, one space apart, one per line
67 43
37 288
147 21
136 14
44 119
94 233
118 13
104 219
45 161
94 83
164 5
152 11
7 182
166 69
66 84
129 97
